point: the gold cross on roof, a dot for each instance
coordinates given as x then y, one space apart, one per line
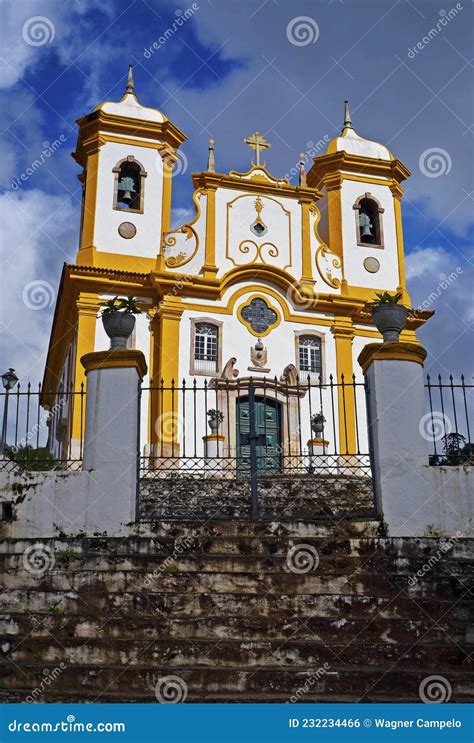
257 143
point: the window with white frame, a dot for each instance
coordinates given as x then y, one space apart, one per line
309 357
206 339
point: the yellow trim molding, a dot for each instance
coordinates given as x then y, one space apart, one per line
391 352
126 358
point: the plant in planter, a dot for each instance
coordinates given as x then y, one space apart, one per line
118 319
317 423
215 419
388 315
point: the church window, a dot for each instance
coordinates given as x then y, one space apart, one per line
206 348
369 227
309 357
129 185
259 315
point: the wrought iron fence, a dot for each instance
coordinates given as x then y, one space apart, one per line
239 433
42 430
448 424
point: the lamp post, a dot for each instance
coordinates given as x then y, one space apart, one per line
9 380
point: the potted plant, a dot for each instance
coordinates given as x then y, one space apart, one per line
317 423
215 419
118 319
389 317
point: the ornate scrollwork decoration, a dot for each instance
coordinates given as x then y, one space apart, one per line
173 238
323 253
247 245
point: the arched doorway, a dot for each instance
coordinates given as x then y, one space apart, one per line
267 429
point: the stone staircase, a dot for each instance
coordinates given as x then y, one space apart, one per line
234 611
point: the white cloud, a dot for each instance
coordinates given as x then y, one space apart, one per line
442 281
36 229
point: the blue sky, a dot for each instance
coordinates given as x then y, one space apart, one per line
229 69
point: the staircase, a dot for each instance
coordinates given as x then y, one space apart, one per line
233 611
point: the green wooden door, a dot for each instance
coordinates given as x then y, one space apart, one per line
268 426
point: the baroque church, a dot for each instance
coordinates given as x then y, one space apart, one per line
268 281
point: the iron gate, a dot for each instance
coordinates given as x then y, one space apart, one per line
255 448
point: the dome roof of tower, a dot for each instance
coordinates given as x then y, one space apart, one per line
130 107
349 141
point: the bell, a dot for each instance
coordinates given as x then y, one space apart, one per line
366 232
126 186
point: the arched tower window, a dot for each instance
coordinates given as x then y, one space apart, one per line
369 225
129 185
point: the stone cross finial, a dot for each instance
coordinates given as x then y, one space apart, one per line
347 117
257 142
211 163
130 83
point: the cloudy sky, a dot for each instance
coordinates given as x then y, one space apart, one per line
283 67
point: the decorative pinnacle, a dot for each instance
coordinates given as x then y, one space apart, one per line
211 163
302 180
347 117
130 84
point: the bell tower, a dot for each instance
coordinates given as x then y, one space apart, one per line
127 152
361 211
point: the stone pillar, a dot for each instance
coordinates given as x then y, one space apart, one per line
317 448
213 450
112 433
396 405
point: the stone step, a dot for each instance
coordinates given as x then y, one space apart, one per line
14 627
425 549
358 583
333 563
278 683
222 653
103 603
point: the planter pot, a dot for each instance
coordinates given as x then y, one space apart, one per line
213 424
119 327
317 428
389 319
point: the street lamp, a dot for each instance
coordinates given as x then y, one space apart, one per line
9 380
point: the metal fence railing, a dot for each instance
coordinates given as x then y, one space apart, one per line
248 430
448 424
42 430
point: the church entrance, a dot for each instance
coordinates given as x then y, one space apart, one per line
259 417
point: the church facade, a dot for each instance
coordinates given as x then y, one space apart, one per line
268 281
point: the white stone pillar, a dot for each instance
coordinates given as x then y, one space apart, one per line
213 451
396 405
111 433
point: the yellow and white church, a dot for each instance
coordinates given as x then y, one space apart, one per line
269 279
